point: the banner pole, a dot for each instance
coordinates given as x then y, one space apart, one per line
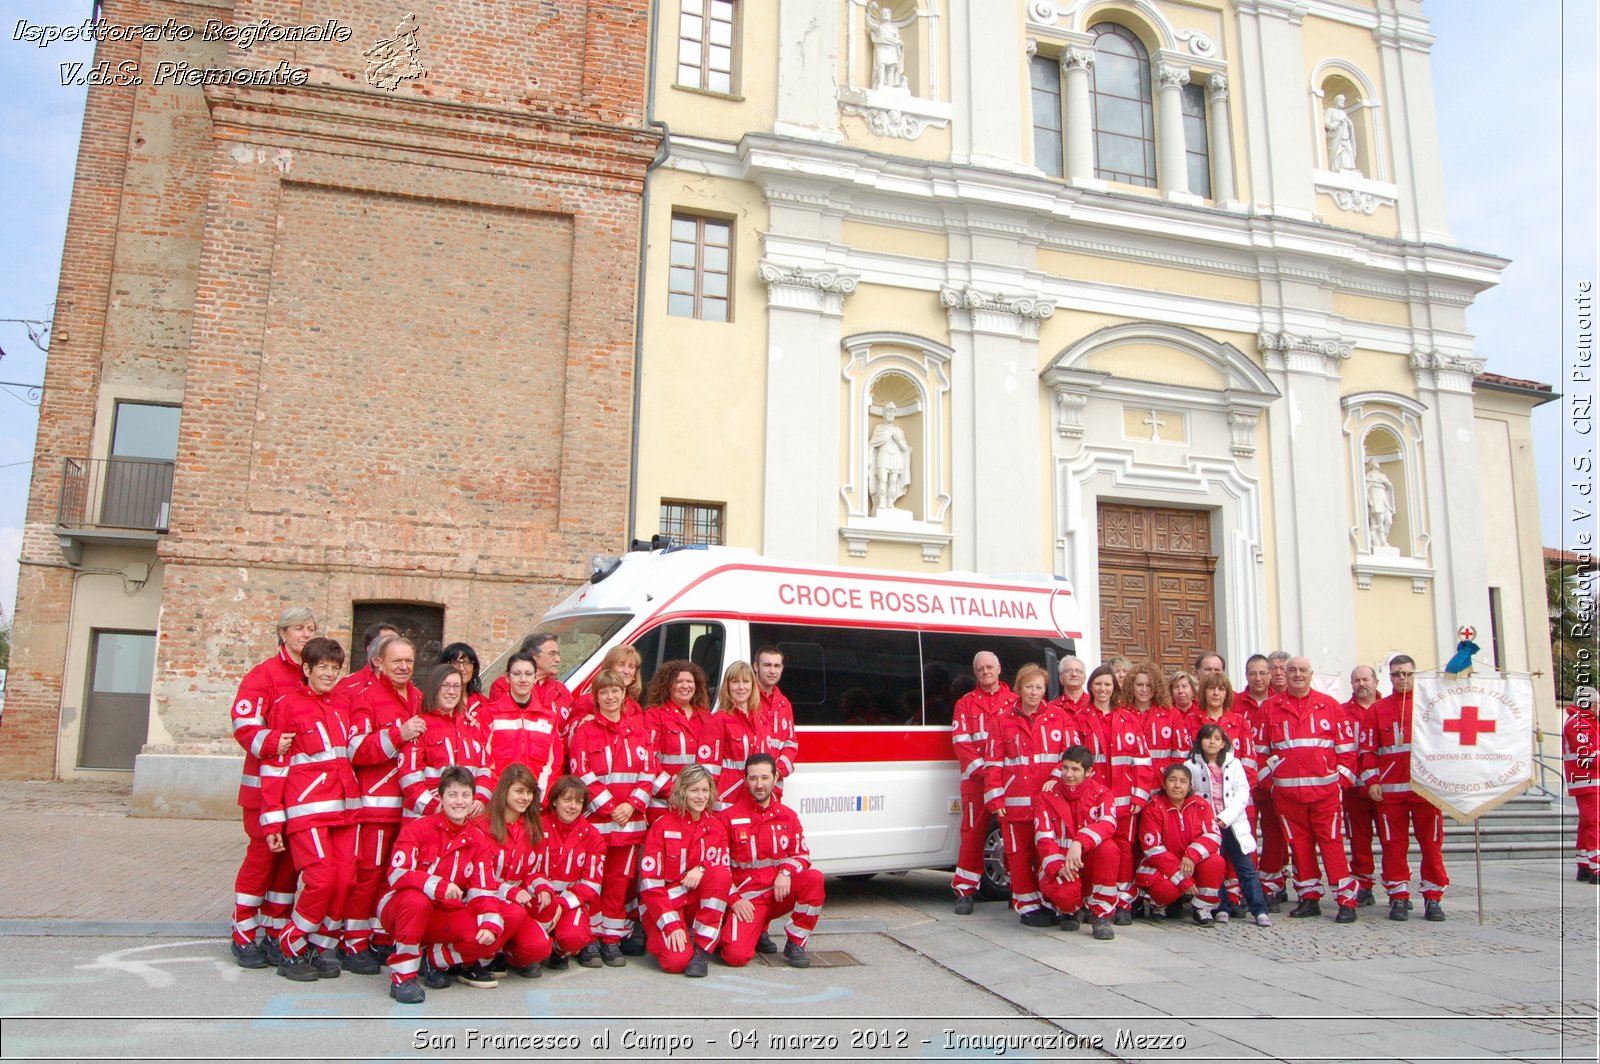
1477 859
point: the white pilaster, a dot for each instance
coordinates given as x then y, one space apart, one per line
808 70
989 125
1172 168
1403 46
1221 140
805 306
1278 140
1075 64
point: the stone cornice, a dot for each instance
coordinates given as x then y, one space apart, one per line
1037 308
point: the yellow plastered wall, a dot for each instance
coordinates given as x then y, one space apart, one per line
754 103
703 384
1149 278
911 243
1161 365
1325 39
1391 618
1377 371
1369 308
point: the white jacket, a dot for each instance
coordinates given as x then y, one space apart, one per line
1235 797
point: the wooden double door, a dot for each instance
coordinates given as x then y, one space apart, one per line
1157 584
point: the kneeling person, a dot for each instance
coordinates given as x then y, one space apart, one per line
443 895
1182 847
1075 825
684 875
772 873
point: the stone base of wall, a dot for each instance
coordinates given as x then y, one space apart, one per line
187 786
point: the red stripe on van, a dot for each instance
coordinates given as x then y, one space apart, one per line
831 745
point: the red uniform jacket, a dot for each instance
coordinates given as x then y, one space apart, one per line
451 739
742 737
675 846
376 748
1024 752
1072 706
583 709
1312 751
1239 733
348 687
1169 737
775 707
1255 714
1362 722
514 860
762 842
529 735
1170 833
1385 756
618 764
261 687
1085 814
431 853
569 862
1121 755
680 741
969 734
1579 740
313 785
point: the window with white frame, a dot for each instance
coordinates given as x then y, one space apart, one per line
705 45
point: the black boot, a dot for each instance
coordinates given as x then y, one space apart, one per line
1397 910
1307 907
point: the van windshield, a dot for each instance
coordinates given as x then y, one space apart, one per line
579 635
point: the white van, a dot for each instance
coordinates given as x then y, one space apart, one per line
873 661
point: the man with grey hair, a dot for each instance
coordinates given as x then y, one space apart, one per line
1360 815
1278 671
1074 695
263 889
346 690
969 734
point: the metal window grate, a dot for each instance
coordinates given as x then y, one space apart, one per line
692 522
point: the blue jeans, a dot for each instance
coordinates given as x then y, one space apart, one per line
1244 869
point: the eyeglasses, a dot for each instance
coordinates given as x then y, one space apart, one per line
450 686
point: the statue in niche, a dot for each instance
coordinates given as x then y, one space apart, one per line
1380 504
1341 132
888 50
889 456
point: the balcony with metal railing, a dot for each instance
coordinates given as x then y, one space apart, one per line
112 501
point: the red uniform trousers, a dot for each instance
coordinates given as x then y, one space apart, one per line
1588 829
619 894
1023 863
325 857
701 911
1360 824
1205 884
374 843
1312 828
1273 855
1126 841
1098 876
805 902
974 832
264 888
526 941
573 928
1398 815
416 921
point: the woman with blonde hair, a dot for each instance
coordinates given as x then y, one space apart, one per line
684 878
624 661
747 729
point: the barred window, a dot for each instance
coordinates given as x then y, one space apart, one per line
702 261
692 522
705 45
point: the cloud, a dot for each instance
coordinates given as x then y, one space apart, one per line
10 552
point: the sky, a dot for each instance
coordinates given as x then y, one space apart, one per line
1516 133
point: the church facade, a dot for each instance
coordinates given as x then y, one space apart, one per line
1157 296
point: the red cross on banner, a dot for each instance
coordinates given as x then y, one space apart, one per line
1468 727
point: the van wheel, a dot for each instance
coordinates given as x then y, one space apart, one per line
995 885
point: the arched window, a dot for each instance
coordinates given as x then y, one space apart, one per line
1124 120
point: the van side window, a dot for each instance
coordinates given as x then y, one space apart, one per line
947 665
701 642
847 677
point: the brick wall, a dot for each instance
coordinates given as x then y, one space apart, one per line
401 325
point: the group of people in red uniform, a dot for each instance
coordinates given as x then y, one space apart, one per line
451 834
1139 787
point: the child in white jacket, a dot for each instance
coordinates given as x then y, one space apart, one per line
1219 778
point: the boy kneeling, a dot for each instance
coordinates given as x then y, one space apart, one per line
442 893
1075 824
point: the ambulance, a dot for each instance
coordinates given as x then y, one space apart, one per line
874 662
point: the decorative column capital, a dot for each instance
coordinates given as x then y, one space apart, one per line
1076 59
1304 353
1008 315
1242 425
1443 372
805 287
1218 84
1171 76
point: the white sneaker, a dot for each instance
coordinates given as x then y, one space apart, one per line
1221 916
1263 920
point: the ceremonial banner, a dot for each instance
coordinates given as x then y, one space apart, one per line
1471 742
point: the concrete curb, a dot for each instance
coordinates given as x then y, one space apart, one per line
116 928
